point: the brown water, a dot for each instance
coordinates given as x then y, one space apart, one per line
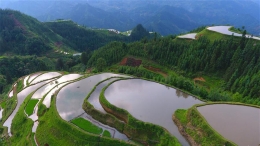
240 124
150 102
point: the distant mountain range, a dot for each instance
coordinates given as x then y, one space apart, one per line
163 16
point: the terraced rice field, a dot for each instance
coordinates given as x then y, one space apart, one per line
145 100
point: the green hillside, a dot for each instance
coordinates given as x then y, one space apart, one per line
212 67
233 62
24 35
81 38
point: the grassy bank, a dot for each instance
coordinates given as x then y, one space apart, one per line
20 133
106 119
195 128
236 30
87 126
106 133
212 35
30 106
35 76
10 103
19 86
231 103
53 130
140 131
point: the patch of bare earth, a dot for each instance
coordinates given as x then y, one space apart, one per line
199 79
89 70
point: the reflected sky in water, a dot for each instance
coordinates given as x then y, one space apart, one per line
45 76
150 102
70 98
21 96
94 97
224 30
188 36
25 81
240 124
32 76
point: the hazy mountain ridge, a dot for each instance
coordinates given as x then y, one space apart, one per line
155 15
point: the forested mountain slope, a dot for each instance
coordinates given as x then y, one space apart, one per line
22 34
27 45
236 60
81 38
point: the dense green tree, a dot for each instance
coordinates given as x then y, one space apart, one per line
83 39
139 32
59 64
2 82
84 58
101 64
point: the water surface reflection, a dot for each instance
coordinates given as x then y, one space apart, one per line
150 102
70 98
240 124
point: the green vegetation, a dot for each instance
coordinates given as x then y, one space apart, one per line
140 131
20 133
41 108
112 53
213 36
30 106
181 115
235 70
139 32
197 127
32 140
199 29
236 30
230 66
101 64
126 33
106 119
106 133
194 126
19 85
21 34
87 125
3 104
52 130
10 106
14 67
81 38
